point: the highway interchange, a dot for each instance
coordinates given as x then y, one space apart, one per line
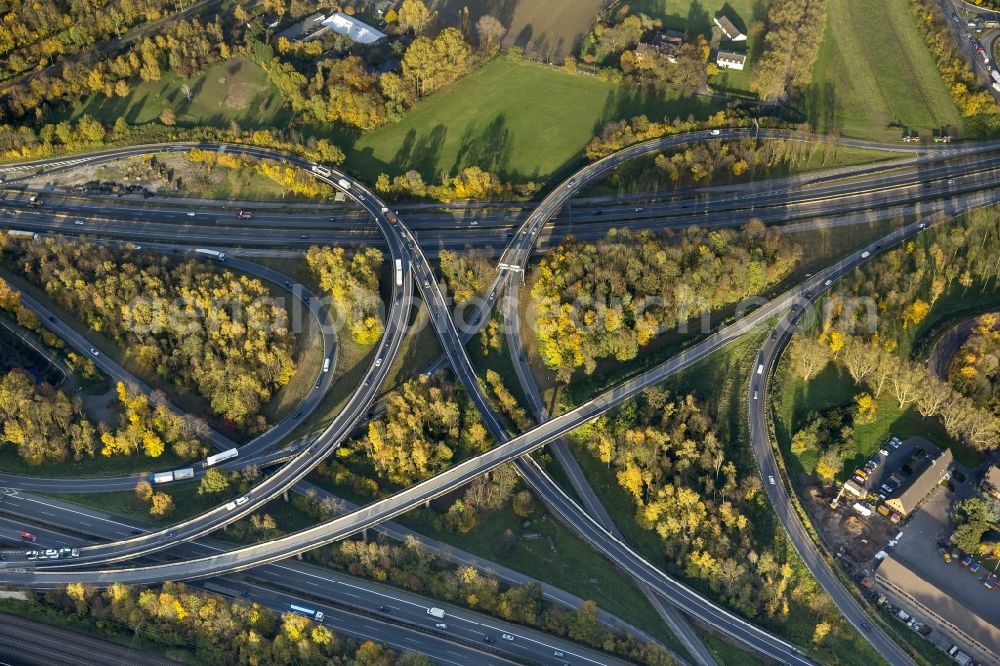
402 242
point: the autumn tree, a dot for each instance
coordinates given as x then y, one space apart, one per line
431 64
490 31
611 298
210 331
161 505
215 481
413 15
44 424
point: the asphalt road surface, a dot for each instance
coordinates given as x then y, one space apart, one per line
464 472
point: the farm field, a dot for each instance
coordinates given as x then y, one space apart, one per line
550 30
874 69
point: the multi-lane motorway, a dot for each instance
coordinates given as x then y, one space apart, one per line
306 459
378 612
515 255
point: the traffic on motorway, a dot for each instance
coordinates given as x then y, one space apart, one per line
405 248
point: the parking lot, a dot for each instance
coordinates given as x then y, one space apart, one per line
918 550
962 591
897 456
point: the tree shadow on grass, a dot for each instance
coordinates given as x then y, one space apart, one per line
489 149
420 153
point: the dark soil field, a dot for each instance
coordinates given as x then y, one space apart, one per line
550 29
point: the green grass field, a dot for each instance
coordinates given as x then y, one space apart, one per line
521 120
874 69
696 16
234 91
834 387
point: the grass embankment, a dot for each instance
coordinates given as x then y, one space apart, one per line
548 551
187 502
641 175
874 69
99 465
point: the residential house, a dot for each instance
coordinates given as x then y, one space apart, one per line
308 28
730 59
729 29
663 42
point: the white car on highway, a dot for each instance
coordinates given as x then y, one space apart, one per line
237 502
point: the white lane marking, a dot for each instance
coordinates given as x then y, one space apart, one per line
79 513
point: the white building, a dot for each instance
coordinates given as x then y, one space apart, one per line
730 60
355 30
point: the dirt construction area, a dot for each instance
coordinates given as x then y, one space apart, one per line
853 538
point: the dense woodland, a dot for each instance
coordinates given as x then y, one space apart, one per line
466 274
713 162
667 455
412 567
149 425
975 369
609 299
40 33
213 333
428 422
43 423
352 283
217 630
959 259
794 33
